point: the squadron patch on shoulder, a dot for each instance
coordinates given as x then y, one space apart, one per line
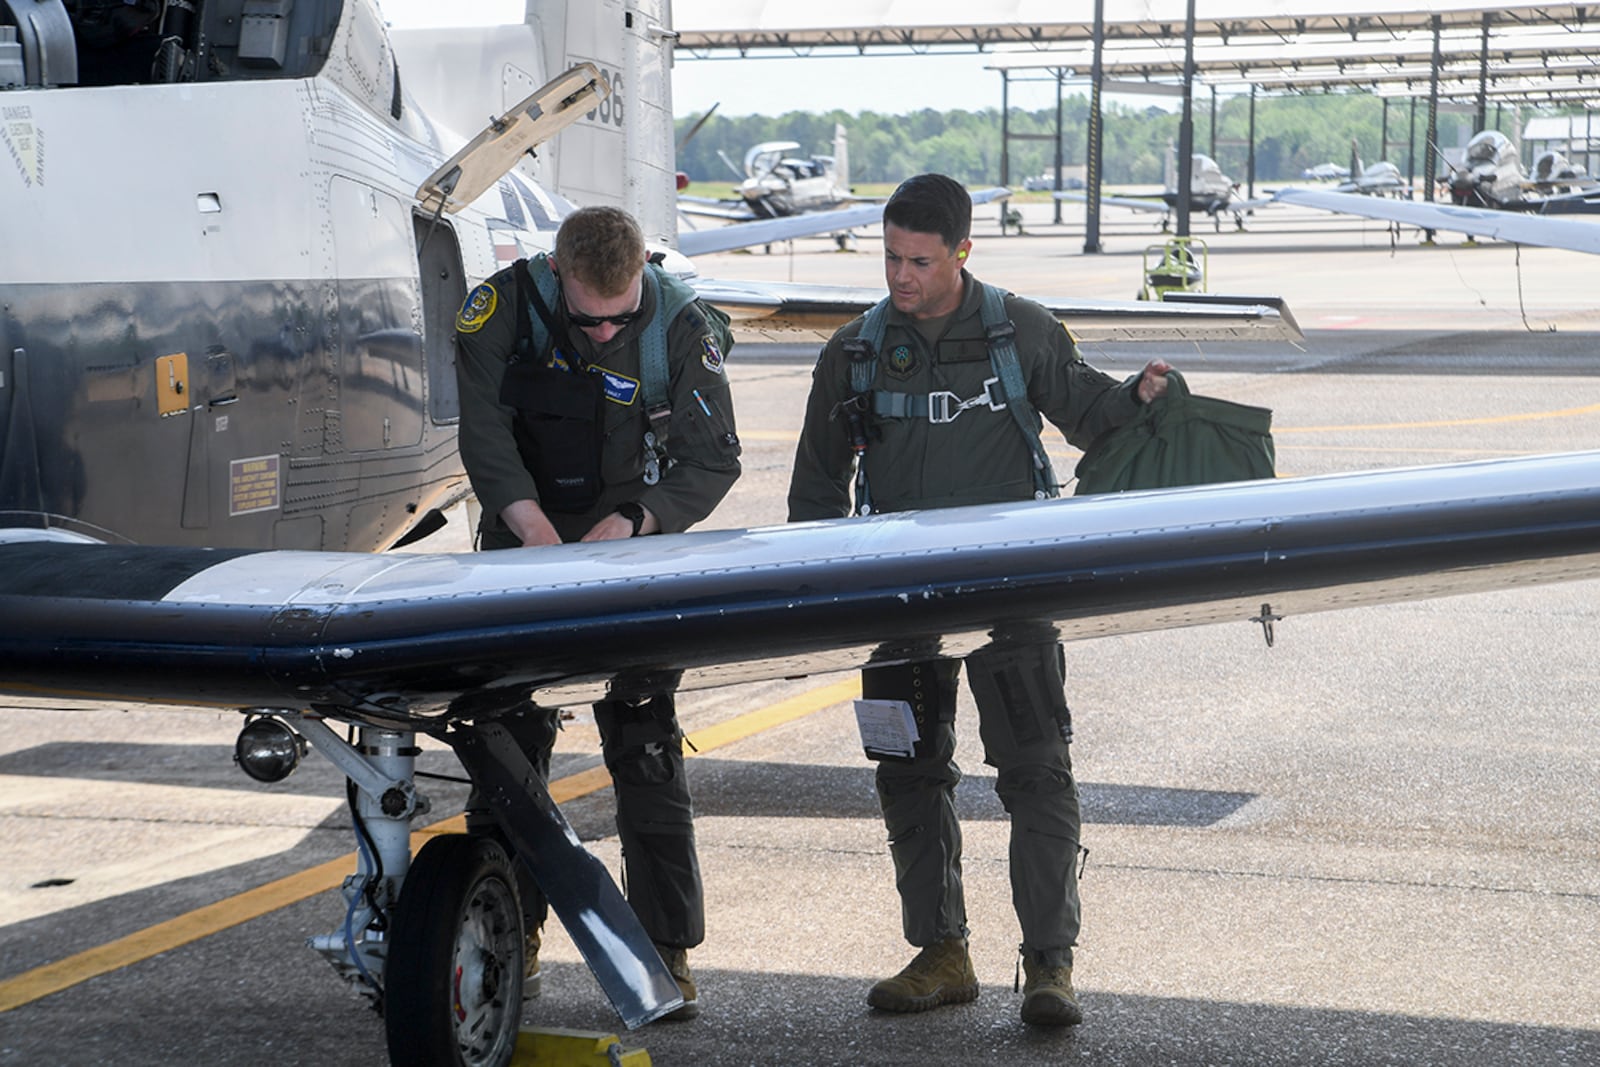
902 361
477 308
710 354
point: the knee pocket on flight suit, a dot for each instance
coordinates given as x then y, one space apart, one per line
1036 786
1022 706
930 687
641 743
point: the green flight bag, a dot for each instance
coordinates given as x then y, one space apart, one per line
1181 439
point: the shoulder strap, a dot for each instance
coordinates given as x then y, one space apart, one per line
863 348
537 292
670 297
1001 335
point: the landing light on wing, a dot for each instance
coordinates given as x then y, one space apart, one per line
267 750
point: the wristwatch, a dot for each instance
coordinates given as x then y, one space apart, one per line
633 511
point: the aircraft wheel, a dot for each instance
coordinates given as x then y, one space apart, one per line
453 978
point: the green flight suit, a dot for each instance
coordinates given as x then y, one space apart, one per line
979 457
640 738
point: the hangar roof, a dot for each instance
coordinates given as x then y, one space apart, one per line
1281 45
706 27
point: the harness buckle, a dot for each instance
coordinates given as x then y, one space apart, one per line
944 406
652 459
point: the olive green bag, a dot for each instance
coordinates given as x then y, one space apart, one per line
1181 439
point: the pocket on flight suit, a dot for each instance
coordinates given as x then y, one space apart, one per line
558 432
705 431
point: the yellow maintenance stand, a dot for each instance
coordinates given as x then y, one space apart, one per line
551 1047
1177 265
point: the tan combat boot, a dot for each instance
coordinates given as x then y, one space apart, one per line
677 961
531 978
1047 997
941 974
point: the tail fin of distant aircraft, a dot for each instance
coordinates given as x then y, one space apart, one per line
841 158
622 152
1355 159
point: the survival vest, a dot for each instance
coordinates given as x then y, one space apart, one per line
538 290
1001 337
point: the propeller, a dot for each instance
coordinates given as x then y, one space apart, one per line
682 177
701 121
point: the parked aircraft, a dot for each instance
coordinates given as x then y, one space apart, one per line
1378 179
1210 192
1325 172
1491 176
777 179
253 351
1493 198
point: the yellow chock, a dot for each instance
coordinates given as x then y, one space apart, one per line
574 1048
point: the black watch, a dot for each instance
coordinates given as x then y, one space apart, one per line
633 511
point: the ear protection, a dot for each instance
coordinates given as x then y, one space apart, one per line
961 255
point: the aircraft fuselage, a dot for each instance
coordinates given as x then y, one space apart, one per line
220 324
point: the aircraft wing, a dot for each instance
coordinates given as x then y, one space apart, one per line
1576 235
771 308
768 231
1133 202
805 224
704 207
420 641
1248 205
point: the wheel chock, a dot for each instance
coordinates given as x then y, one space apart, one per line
574 1048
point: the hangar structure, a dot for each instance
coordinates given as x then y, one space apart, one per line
1523 52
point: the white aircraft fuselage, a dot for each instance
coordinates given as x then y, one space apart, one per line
252 346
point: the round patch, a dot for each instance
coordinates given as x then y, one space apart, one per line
477 308
901 359
710 354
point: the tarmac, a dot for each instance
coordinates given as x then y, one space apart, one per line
1375 842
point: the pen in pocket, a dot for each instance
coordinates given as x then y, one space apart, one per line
702 402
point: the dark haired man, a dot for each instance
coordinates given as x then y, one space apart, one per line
933 399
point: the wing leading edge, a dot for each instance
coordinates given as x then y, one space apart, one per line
417 641
773 307
1573 234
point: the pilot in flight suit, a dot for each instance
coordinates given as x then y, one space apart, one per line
934 432
554 384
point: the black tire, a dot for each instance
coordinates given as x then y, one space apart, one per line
453 978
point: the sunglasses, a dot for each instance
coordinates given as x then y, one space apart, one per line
589 322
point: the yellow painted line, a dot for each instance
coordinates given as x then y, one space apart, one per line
254 903
1487 420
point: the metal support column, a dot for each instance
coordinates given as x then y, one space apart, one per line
1005 130
1250 155
1091 172
1185 189
1061 76
1431 156
1483 75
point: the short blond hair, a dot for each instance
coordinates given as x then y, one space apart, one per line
602 248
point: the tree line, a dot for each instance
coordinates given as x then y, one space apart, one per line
1292 133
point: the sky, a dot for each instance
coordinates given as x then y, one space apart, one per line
886 84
